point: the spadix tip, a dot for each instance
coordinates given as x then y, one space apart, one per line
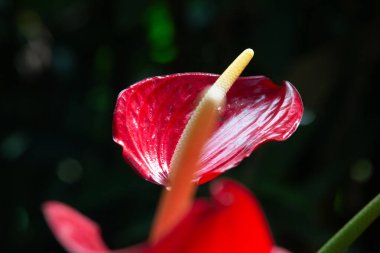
249 52
234 70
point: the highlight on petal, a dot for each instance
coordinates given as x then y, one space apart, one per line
151 115
231 221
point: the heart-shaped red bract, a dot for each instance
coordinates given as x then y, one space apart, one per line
231 221
151 115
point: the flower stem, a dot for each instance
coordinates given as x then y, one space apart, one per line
353 229
177 198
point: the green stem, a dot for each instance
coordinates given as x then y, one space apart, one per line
353 229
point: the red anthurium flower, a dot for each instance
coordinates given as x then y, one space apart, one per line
231 221
151 115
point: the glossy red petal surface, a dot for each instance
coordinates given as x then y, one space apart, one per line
150 116
231 222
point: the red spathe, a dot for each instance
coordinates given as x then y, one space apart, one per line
151 115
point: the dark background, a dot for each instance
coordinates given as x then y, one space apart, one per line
64 62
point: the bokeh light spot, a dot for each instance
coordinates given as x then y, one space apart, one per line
200 13
14 146
69 170
361 170
160 30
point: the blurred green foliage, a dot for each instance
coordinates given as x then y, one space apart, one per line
64 62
